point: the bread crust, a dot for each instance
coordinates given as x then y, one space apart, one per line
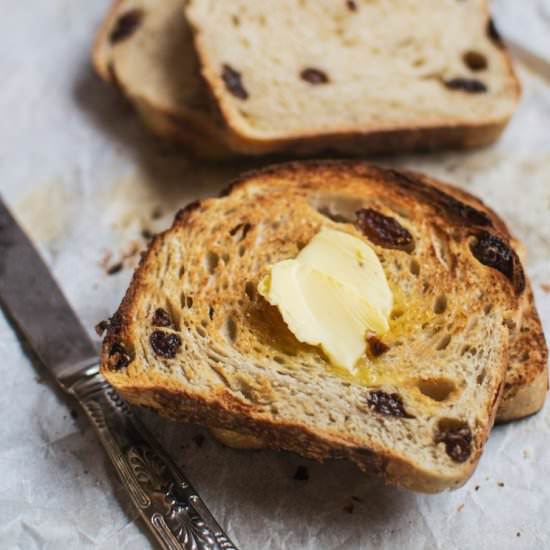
224 410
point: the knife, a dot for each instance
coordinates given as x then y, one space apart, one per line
170 506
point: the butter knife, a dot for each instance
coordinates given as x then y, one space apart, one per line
170 506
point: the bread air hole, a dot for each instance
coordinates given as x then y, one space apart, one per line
475 61
250 291
440 304
443 343
230 329
414 268
438 389
211 260
481 377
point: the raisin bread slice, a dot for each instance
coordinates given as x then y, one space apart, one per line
144 47
360 77
194 341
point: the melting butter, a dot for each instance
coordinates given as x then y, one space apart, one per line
331 295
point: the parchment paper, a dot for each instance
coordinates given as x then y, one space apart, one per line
89 183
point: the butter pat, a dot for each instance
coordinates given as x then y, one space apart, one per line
331 295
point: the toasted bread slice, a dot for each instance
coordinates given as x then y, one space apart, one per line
314 75
194 341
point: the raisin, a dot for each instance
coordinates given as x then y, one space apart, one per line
493 34
383 230
352 6
457 437
389 404
469 85
126 25
301 474
475 61
161 318
493 252
233 82
165 344
458 211
376 346
314 76
118 357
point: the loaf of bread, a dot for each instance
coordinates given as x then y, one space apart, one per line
194 341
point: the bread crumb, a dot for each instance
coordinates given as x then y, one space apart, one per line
301 474
156 213
545 287
527 453
460 508
500 484
147 234
115 268
476 488
518 534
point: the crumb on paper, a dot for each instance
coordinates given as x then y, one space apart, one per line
128 257
500 484
147 234
545 287
476 488
301 474
518 534
156 213
527 453
115 268
460 508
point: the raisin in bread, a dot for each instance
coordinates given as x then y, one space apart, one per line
194 341
361 77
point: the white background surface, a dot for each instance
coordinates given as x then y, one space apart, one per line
84 178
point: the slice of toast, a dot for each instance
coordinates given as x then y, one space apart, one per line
526 381
360 77
194 341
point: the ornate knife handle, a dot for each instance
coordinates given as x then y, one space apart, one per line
170 506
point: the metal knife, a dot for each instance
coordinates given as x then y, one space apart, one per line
171 508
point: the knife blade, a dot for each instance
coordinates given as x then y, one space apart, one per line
166 500
37 306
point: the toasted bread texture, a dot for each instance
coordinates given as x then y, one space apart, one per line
194 341
320 74
145 47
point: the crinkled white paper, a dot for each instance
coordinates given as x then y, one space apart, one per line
87 180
